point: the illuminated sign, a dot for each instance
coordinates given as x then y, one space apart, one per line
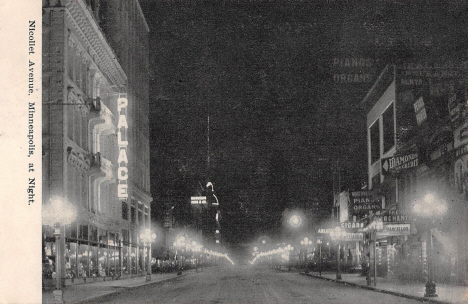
198 200
396 164
395 229
352 225
352 237
122 141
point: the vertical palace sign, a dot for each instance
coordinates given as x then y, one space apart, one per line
122 141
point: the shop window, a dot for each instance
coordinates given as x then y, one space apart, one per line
125 260
124 211
93 233
103 236
388 128
125 236
140 218
93 261
102 261
83 234
113 258
111 239
133 215
71 260
83 261
141 260
374 142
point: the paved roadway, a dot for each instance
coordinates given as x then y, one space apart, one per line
250 284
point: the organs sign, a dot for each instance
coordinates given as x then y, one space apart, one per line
361 202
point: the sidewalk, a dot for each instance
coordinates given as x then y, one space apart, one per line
81 293
446 293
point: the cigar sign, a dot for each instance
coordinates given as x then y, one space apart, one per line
122 141
398 163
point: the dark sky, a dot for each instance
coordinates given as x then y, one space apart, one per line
279 122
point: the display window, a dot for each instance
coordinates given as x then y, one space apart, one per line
125 260
93 261
117 261
71 260
112 261
83 261
102 261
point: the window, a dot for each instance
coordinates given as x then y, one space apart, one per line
374 142
133 215
124 211
388 129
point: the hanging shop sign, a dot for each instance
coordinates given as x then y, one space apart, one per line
362 202
122 141
352 225
396 216
420 111
352 237
395 230
396 164
198 200
325 230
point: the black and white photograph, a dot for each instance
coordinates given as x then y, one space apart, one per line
234 151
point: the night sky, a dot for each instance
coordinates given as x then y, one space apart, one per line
280 124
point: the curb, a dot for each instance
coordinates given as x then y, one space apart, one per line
120 290
399 294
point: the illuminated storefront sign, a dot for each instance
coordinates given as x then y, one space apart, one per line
198 200
352 237
395 230
122 141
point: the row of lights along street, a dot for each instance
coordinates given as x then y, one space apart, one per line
429 207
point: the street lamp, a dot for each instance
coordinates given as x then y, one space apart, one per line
336 235
295 220
147 238
319 241
430 207
56 214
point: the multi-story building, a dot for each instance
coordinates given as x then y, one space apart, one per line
95 130
416 119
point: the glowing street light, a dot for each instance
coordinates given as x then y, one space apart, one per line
147 238
430 207
295 220
56 214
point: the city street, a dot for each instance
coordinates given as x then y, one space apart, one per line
249 284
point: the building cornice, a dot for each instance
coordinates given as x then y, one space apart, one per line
95 42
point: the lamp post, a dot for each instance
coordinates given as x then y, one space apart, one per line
430 207
319 241
147 238
336 235
56 214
